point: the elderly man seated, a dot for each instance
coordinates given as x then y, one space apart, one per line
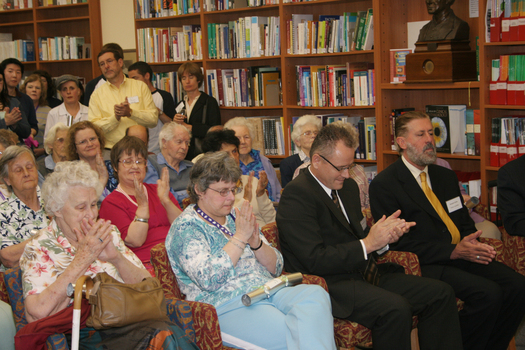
174 141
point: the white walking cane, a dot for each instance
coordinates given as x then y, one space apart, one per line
81 288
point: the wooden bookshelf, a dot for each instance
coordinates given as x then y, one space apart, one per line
66 20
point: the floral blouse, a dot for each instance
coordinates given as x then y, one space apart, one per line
17 220
256 166
49 253
204 270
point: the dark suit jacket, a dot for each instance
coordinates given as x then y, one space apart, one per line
511 196
287 167
316 238
199 130
396 188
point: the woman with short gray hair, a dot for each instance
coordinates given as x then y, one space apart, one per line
304 132
23 211
55 146
218 254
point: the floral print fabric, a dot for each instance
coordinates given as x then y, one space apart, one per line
204 270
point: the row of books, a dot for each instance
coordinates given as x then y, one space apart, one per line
457 130
508 140
63 48
57 2
165 8
173 44
219 5
506 22
169 82
23 50
15 4
331 33
245 87
252 36
507 86
269 134
336 85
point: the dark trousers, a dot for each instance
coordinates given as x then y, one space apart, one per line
388 309
494 297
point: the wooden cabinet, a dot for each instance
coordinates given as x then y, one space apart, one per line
81 20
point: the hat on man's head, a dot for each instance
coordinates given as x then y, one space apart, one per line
64 79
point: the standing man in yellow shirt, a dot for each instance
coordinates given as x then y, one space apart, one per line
121 102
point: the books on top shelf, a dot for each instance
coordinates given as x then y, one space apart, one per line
505 20
252 36
245 87
336 85
165 8
171 44
62 48
330 33
507 85
269 135
508 139
56 2
23 50
219 5
15 4
398 72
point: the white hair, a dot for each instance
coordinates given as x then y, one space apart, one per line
240 121
58 184
168 131
51 136
305 119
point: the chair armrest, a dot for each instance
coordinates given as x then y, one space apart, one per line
498 246
406 259
57 342
3 290
206 325
312 279
514 251
482 210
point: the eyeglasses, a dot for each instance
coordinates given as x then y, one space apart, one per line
85 142
225 191
128 163
338 168
310 133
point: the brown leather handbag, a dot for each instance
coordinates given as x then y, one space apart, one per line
116 304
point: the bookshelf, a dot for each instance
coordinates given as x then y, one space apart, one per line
390 32
81 20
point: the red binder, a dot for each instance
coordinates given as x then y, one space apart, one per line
505 29
521 29
511 92
514 28
520 92
494 156
495 29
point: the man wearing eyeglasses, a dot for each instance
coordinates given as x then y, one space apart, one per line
120 102
322 232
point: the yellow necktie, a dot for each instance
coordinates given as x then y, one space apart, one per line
454 232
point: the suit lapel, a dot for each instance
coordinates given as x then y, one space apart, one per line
323 196
413 190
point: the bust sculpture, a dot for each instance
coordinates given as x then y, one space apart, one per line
444 24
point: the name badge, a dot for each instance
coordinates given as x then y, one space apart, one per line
179 107
363 224
133 99
454 204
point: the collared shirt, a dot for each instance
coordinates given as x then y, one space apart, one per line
303 156
49 254
416 172
61 115
189 106
102 108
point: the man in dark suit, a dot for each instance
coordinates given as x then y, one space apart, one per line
322 232
511 196
445 238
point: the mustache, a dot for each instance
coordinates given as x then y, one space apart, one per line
429 146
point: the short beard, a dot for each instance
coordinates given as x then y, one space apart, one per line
422 159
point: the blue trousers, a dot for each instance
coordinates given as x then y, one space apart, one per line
7 327
294 318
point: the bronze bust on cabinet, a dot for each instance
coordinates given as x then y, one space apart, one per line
444 25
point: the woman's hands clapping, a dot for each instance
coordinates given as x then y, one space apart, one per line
246 227
95 241
163 186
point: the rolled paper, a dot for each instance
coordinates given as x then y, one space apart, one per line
271 287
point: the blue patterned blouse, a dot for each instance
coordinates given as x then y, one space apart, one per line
256 166
204 270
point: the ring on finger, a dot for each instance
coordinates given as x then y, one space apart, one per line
477 257
101 241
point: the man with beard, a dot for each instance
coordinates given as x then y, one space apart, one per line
445 238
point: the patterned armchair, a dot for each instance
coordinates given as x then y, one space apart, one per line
514 251
205 319
349 334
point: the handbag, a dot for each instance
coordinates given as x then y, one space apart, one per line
116 304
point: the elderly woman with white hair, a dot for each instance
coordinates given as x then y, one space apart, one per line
74 244
55 146
304 132
174 141
252 160
23 211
